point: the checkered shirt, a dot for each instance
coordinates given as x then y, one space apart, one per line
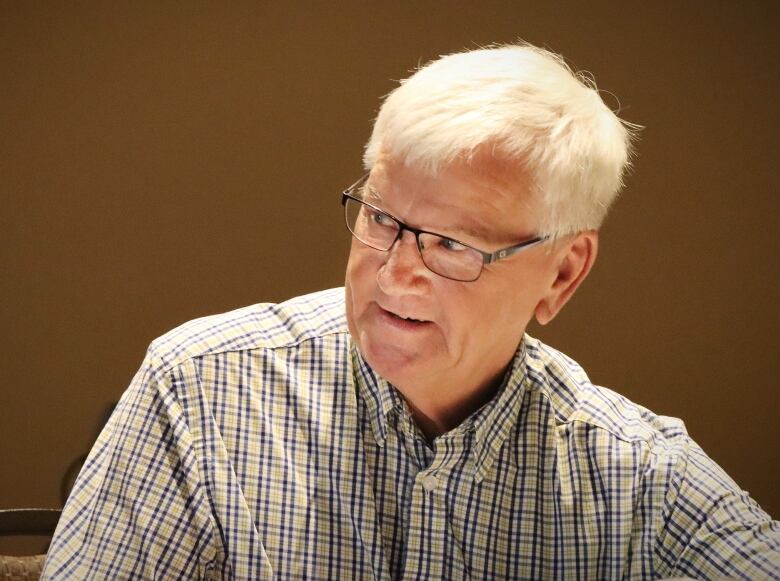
258 444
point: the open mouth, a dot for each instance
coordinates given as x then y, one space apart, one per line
402 321
410 319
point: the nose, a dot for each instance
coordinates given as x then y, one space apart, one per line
404 271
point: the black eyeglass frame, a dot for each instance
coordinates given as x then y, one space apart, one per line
487 257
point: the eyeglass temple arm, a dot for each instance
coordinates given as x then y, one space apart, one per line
359 182
506 252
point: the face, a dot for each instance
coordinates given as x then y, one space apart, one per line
419 330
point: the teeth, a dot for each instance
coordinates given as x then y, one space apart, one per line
408 319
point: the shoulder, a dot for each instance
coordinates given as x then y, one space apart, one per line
577 402
260 326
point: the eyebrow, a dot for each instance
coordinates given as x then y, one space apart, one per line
374 197
487 236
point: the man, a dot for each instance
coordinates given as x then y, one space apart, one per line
406 427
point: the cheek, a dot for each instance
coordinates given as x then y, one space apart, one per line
494 315
516 307
465 316
357 266
360 279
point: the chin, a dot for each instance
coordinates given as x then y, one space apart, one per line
394 363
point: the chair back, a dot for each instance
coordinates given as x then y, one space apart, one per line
25 521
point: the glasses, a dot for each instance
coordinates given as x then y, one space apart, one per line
442 255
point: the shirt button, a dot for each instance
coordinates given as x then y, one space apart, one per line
430 482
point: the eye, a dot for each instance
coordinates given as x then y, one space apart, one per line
381 219
452 245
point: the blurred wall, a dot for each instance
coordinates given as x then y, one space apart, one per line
164 161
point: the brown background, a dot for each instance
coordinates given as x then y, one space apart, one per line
166 161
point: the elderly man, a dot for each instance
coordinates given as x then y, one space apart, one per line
406 427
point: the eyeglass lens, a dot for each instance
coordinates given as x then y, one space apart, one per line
441 255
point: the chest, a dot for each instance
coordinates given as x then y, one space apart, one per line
325 500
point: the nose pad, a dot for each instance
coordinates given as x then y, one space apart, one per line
404 268
405 249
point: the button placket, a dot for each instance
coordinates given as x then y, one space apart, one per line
428 531
430 482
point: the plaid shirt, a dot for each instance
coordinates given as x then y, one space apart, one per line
258 444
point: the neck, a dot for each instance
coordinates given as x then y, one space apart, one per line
437 410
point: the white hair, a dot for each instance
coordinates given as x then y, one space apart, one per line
528 108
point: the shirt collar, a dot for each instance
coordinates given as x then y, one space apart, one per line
491 424
494 422
379 396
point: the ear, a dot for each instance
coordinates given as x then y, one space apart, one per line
573 262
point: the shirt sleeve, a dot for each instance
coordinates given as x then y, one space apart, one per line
712 528
138 509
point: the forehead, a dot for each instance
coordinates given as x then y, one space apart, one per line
488 201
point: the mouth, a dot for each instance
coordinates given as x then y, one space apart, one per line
403 321
407 318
